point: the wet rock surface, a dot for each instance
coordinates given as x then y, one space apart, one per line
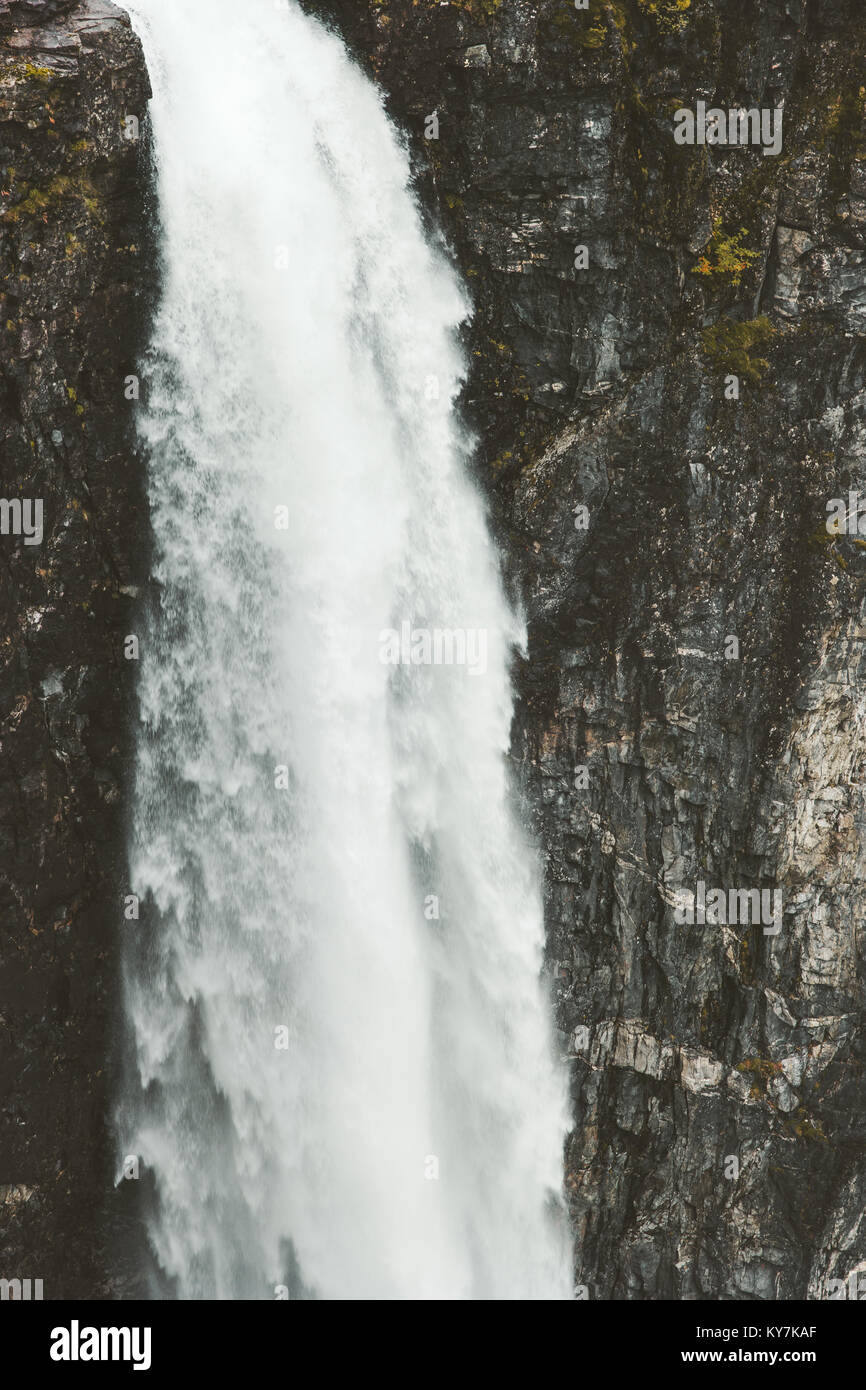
18 14
71 306
658 753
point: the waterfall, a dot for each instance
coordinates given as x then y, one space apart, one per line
342 1079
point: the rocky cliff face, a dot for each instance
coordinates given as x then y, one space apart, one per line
717 1069
71 216
659 753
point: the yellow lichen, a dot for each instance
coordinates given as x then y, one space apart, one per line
670 15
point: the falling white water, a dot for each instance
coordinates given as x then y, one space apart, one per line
332 1089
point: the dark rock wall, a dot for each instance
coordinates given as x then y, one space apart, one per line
605 388
71 219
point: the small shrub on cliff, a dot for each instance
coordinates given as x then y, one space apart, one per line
729 347
725 256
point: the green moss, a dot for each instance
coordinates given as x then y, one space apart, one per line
593 36
667 180
844 138
486 7
36 202
844 122
757 193
761 1070
801 1125
759 1066
33 73
589 29
729 347
822 538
